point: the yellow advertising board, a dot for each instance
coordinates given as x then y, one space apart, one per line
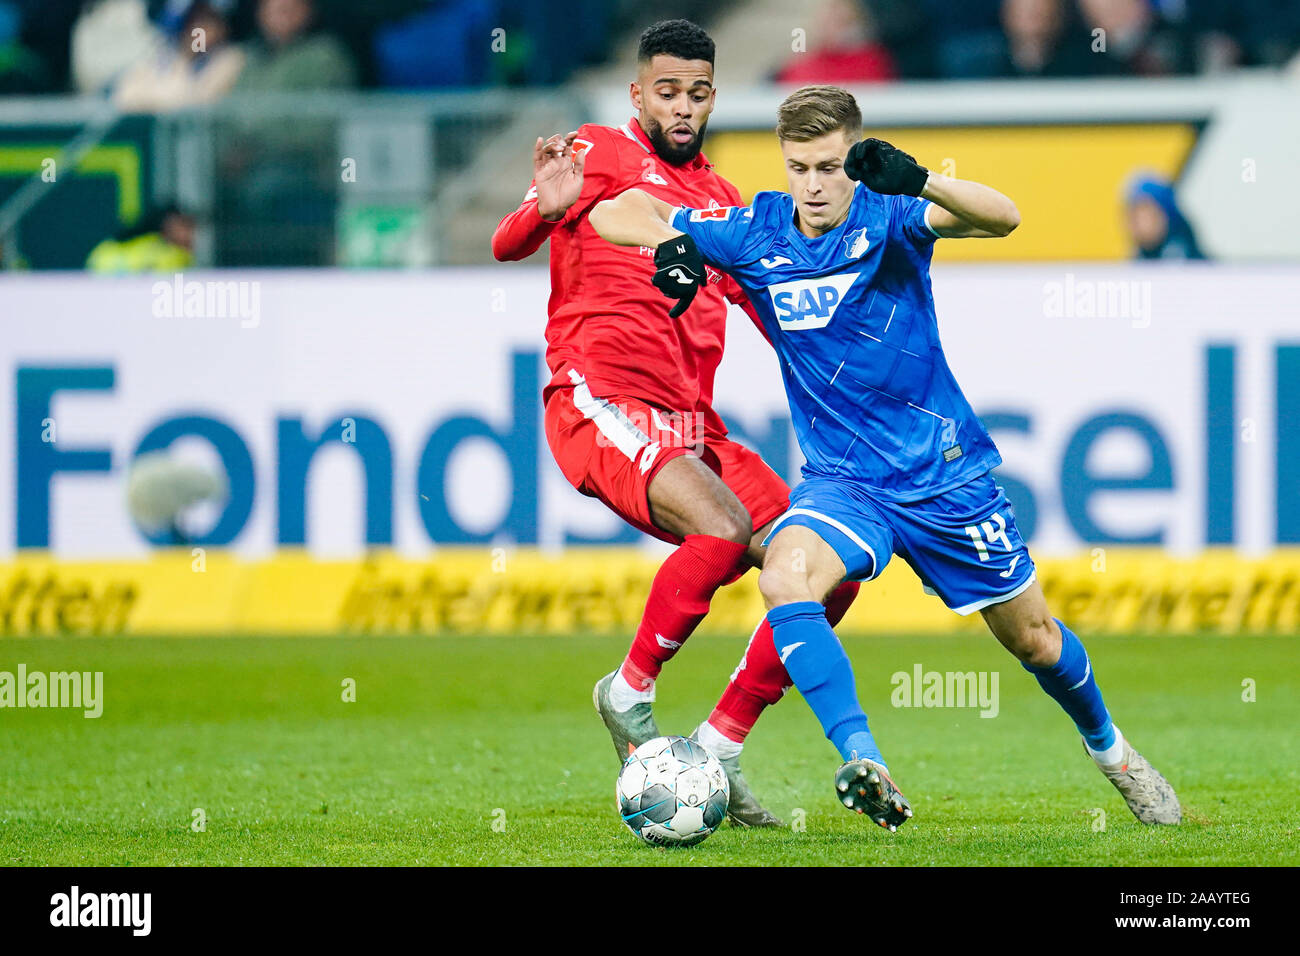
482 591
1067 181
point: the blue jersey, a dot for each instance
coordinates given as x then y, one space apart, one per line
851 316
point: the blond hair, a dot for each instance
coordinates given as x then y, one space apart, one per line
814 111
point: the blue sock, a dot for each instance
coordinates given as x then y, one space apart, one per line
820 669
1070 682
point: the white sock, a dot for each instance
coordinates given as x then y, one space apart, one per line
717 743
623 696
1111 755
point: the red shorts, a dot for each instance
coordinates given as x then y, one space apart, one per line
611 448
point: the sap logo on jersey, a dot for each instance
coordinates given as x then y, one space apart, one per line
809 303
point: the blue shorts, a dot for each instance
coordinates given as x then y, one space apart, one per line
962 544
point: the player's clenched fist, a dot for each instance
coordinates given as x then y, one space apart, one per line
883 168
679 271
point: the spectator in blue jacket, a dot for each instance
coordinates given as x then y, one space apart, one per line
1157 226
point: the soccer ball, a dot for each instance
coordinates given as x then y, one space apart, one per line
672 792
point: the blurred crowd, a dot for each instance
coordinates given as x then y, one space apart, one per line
855 41
156 55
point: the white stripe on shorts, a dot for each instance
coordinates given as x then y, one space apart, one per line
996 599
611 421
837 525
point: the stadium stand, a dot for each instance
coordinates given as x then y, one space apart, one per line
442 164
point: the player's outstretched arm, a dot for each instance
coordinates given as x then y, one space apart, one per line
633 218
962 209
965 209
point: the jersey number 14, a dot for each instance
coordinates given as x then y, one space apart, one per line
994 530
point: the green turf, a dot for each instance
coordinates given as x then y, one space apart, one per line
449 736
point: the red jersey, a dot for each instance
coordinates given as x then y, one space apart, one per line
606 320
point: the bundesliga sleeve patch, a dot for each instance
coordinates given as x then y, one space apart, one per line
719 213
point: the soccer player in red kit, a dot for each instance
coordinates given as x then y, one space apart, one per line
629 407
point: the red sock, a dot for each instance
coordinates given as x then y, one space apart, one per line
679 599
837 605
761 678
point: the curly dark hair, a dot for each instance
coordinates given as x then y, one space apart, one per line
680 38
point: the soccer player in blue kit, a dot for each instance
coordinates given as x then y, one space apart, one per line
897 460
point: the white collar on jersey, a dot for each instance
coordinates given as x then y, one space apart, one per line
626 130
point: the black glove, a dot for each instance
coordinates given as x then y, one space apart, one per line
679 271
885 169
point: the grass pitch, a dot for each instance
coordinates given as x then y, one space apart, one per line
471 751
